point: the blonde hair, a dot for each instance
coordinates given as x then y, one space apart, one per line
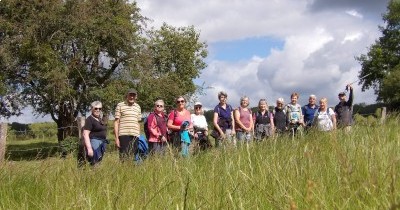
324 100
262 100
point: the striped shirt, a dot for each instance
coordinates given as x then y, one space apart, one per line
129 117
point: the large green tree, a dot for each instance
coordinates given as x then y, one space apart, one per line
381 65
175 56
61 55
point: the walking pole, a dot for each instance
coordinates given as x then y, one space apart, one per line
347 86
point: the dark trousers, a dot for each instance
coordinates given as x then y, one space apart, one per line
128 145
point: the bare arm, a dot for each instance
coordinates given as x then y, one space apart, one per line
172 127
116 131
215 123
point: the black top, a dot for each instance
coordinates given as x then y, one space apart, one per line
280 119
98 130
262 118
344 111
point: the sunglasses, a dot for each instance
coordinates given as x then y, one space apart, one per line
197 107
97 108
160 106
181 101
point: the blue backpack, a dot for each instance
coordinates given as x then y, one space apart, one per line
142 149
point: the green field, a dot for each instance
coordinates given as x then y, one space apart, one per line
318 171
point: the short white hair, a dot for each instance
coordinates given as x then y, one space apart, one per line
313 96
96 104
280 100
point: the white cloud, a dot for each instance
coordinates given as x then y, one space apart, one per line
354 13
320 44
321 39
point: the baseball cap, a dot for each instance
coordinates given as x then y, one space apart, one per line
198 104
342 94
132 91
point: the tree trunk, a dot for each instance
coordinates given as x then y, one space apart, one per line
66 127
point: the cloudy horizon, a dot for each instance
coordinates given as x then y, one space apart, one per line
269 49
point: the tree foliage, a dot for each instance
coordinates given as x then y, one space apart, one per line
173 58
381 64
62 55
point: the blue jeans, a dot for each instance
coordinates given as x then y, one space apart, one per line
243 136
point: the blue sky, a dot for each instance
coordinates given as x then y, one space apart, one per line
245 49
271 48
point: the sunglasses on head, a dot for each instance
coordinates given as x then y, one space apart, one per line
97 108
159 105
180 101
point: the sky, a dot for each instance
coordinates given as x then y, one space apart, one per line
271 48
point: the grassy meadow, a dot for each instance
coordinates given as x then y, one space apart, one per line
360 170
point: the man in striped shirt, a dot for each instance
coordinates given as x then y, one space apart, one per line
126 125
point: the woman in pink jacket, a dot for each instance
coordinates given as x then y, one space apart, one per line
157 126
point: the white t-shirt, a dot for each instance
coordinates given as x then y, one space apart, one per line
324 120
199 121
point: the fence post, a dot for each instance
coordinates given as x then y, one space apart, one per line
3 138
383 115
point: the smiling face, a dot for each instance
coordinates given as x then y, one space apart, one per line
279 104
293 99
222 99
159 106
244 102
180 103
262 105
96 111
197 110
312 100
131 98
323 104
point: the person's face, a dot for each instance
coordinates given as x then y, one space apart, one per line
262 106
279 105
222 99
322 104
294 99
131 97
342 97
159 107
244 102
311 101
180 103
96 111
197 109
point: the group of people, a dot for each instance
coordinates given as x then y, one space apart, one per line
181 131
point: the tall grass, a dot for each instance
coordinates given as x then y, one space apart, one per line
319 171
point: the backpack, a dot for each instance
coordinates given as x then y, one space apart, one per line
146 124
142 149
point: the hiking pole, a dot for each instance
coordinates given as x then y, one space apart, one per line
347 86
